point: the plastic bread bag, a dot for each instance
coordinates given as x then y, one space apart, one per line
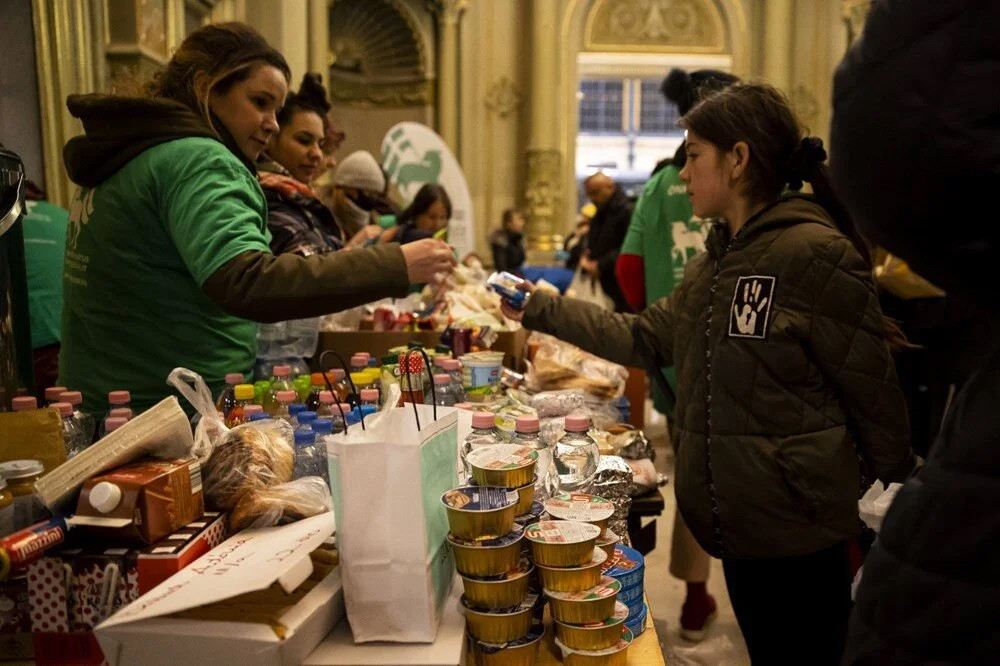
248 459
559 365
558 403
210 426
282 504
875 503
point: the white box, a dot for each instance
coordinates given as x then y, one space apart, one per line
251 560
448 648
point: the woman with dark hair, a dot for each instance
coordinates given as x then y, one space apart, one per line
784 373
507 242
167 260
425 217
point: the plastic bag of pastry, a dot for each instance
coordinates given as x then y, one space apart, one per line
247 459
559 365
285 503
557 403
210 427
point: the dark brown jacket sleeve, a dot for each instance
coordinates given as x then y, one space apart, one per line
267 288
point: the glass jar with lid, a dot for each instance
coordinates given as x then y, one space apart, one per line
20 477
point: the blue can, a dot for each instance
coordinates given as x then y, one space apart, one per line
629 568
506 284
637 623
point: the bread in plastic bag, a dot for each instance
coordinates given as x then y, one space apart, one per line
557 403
281 504
248 459
558 365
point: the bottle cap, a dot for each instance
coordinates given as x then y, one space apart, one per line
72 397
243 392
316 379
451 365
121 412
18 469
52 393
282 371
527 423
390 359
322 426
351 418
467 406
366 355
234 378
577 424
373 363
481 420
440 360
65 409
305 437
119 398
285 396
359 361
259 416
296 408
112 423
368 410
326 397
306 416
369 394
338 373
105 496
345 407
442 379
21 403
250 410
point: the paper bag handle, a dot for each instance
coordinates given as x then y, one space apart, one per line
353 399
409 382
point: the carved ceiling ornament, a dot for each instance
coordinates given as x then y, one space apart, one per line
503 97
664 26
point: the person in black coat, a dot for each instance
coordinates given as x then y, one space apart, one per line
916 146
507 242
607 231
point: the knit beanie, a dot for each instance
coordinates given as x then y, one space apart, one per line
684 89
360 170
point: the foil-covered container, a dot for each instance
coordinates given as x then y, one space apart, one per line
573 579
497 592
595 636
500 626
594 605
488 557
520 652
478 512
633 444
503 465
617 655
613 482
562 543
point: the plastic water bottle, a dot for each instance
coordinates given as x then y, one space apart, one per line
526 434
303 335
260 416
250 411
369 397
282 401
83 420
444 392
117 400
483 434
310 459
75 439
294 410
52 394
305 420
281 380
453 367
359 362
576 456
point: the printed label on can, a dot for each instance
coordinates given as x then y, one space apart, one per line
503 457
621 614
579 506
627 560
561 531
608 587
479 498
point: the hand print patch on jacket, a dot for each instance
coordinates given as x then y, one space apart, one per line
751 310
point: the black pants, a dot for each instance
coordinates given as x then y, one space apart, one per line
792 610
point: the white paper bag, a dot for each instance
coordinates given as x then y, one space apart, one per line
392 528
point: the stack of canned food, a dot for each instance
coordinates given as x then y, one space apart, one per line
589 619
628 568
503 612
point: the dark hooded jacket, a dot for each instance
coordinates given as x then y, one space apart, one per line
604 242
916 149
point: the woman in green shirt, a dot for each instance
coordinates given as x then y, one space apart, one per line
167 258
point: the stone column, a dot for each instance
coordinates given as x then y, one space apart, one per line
779 22
319 37
449 17
543 194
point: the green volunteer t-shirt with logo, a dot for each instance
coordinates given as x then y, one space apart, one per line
44 246
139 247
666 235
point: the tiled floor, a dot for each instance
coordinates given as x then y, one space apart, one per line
723 646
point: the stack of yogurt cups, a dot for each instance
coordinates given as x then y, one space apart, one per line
589 619
486 518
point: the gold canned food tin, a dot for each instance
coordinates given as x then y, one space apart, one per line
480 512
616 655
499 626
594 605
583 507
573 579
503 465
525 498
562 543
596 636
497 592
607 543
488 557
520 652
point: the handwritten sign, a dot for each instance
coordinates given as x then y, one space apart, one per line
251 560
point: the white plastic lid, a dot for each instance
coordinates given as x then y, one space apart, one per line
105 496
18 469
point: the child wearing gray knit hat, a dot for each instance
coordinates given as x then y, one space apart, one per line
360 170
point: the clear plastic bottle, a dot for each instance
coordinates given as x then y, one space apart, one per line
303 387
453 367
483 434
359 362
576 456
370 397
317 384
75 439
324 435
444 393
281 380
243 395
295 409
52 394
310 459
304 420
116 400
259 416
250 410
282 401
23 403
83 420
324 408
526 434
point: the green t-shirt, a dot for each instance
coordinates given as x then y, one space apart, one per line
665 233
44 246
138 249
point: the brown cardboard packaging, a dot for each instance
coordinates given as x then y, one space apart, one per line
141 502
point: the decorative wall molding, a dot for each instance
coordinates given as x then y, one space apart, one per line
359 92
656 26
543 195
503 97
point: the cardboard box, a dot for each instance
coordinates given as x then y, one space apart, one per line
143 632
377 343
160 561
